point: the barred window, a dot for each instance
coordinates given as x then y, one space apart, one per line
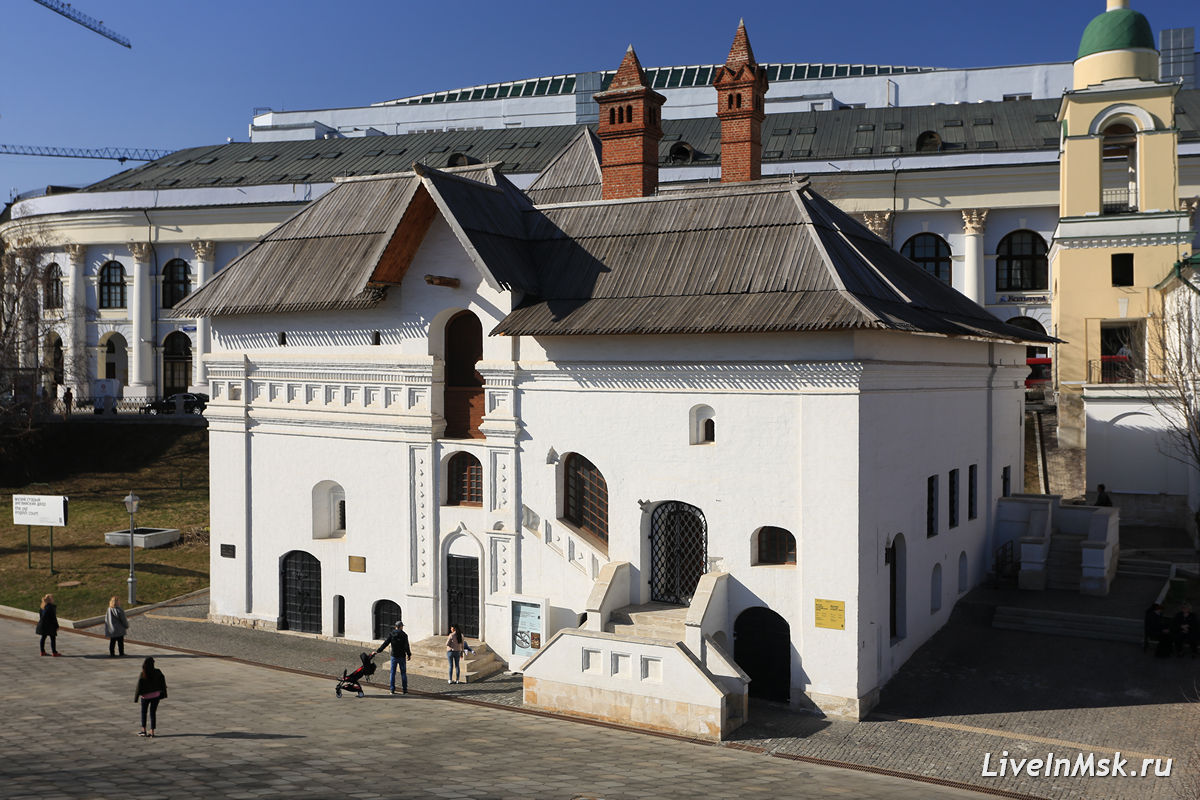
776 546
930 252
52 295
586 496
465 477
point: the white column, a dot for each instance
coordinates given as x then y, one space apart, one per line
204 271
974 221
78 359
141 370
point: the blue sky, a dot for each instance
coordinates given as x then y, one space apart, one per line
198 69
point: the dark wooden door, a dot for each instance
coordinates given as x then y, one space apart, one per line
300 585
462 594
762 646
679 552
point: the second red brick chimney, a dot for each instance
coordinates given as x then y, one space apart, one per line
741 84
630 130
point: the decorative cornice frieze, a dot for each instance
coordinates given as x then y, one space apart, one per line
733 376
1143 240
974 221
204 250
878 222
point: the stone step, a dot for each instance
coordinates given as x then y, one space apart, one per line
1147 568
1063 623
649 621
429 659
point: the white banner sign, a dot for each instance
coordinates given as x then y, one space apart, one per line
39 509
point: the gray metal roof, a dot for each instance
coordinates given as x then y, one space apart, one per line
573 175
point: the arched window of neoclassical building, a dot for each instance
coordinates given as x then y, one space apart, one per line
585 496
1021 263
464 480
463 400
52 288
702 425
774 546
1119 192
112 285
930 252
328 510
176 282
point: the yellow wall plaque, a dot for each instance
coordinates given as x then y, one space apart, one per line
358 563
831 614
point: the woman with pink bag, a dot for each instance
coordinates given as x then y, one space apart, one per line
151 688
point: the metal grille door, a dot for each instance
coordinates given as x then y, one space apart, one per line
462 594
678 552
300 584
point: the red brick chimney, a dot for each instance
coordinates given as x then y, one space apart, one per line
630 129
740 86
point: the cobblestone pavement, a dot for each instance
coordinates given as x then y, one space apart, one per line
243 732
972 690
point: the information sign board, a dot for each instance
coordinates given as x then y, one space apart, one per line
831 614
39 509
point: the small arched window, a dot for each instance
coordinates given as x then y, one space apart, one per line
112 285
585 496
702 425
328 510
776 546
930 252
929 142
1021 262
464 477
52 290
176 283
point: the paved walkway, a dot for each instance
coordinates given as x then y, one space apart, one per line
972 690
243 732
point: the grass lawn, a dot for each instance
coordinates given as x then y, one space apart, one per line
96 465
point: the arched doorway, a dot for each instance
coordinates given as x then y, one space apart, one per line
762 646
462 586
300 590
896 559
177 363
387 614
678 551
463 402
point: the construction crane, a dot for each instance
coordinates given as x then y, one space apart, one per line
83 19
121 154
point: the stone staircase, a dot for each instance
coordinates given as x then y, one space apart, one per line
649 621
1064 564
429 659
1064 623
1143 568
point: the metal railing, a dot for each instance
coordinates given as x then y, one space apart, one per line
1117 201
1122 369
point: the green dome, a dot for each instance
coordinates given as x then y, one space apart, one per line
1119 29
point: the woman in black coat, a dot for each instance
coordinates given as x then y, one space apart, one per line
48 625
151 687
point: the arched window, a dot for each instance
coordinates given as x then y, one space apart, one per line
112 285
328 510
1021 263
930 252
387 614
52 290
612 116
962 572
585 496
464 478
1120 179
177 363
935 589
176 283
702 425
776 546
929 142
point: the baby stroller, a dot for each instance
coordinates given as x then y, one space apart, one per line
352 680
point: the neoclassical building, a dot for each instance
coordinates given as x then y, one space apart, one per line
960 170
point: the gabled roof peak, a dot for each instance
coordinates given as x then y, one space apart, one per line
630 74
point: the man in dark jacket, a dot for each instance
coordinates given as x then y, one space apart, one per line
398 639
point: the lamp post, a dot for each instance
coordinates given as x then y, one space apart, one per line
131 505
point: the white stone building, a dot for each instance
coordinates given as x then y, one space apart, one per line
731 402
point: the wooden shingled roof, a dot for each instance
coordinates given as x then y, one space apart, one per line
771 255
